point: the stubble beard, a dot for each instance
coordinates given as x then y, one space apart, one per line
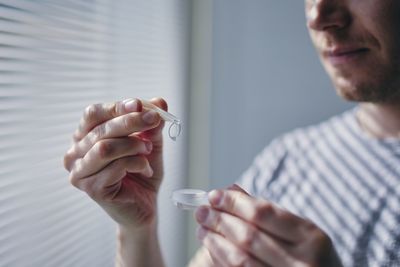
380 88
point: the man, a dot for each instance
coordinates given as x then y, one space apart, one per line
327 195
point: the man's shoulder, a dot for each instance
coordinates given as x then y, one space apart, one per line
300 141
303 138
288 148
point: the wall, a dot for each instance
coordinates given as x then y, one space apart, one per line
266 80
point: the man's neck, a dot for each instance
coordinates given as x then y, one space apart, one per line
380 120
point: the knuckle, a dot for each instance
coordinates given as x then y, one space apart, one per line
320 240
91 112
74 180
287 217
217 219
308 226
130 122
67 161
262 211
113 109
70 157
76 136
87 186
230 200
98 132
248 237
240 259
105 149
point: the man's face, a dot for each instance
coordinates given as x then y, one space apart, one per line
358 42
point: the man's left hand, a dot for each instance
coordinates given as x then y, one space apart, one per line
239 230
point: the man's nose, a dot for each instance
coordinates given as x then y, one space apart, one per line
325 15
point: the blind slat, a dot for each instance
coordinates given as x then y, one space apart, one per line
56 58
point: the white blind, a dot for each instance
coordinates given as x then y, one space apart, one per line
56 57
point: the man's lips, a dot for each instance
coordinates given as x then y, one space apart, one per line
338 52
340 55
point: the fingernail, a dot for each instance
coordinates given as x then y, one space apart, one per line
202 214
131 105
215 197
201 233
127 100
150 117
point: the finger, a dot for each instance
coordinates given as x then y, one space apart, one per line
149 122
265 215
202 258
236 187
225 252
154 134
160 102
118 127
103 184
246 236
108 150
216 260
98 113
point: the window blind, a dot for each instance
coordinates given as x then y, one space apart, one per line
57 57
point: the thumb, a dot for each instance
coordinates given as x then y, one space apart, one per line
235 187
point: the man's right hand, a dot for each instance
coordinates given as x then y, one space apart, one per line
116 158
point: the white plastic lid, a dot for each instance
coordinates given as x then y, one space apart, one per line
189 198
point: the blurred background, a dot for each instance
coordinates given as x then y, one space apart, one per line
238 73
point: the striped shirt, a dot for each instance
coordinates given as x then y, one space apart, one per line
341 179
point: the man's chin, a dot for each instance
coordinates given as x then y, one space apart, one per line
351 95
366 93
354 92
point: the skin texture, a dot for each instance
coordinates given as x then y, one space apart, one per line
240 230
371 76
116 156
110 160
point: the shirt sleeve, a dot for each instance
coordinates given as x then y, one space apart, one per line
264 169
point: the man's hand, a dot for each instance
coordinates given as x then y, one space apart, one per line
116 158
239 230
